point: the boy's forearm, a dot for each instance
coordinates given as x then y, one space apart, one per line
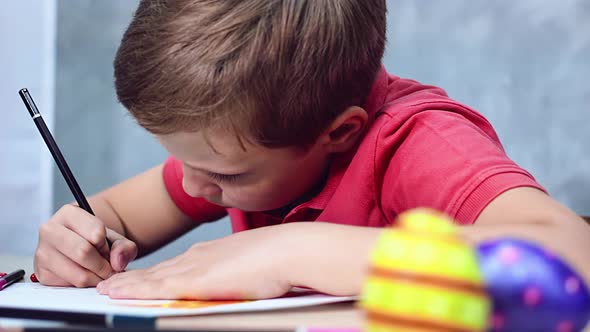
334 258
105 211
328 257
570 239
529 213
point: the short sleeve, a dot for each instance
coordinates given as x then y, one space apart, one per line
445 161
198 209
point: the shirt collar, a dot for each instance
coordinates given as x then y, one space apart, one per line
338 166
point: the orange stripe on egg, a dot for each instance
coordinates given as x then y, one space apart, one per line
443 282
399 321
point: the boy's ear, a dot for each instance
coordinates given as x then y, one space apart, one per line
344 131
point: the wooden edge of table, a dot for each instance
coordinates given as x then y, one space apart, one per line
337 315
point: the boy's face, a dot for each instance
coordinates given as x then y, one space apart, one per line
258 179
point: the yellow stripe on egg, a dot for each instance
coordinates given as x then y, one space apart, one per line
426 302
428 254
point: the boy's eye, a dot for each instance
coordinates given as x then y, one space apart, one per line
228 178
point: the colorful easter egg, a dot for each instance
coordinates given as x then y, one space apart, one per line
424 277
532 289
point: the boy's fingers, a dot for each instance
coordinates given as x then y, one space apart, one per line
123 251
104 249
49 278
80 251
68 271
87 226
114 236
139 290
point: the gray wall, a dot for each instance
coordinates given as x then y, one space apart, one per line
27 60
524 64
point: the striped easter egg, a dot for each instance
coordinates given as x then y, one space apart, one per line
424 277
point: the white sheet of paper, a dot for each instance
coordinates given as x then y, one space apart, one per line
87 300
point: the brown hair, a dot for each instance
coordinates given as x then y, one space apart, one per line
278 71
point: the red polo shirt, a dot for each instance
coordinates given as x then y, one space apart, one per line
422 149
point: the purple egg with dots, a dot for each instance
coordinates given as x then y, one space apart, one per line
532 289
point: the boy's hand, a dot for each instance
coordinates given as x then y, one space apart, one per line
73 250
260 263
246 265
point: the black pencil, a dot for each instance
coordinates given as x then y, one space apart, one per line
56 153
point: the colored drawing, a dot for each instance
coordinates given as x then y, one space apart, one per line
182 304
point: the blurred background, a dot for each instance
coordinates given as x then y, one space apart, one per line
524 65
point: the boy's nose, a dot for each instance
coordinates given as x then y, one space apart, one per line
200 188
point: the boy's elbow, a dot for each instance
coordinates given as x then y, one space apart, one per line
570 237
565 220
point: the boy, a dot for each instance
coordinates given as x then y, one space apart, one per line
279 113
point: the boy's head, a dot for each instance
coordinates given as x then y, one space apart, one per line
274 72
